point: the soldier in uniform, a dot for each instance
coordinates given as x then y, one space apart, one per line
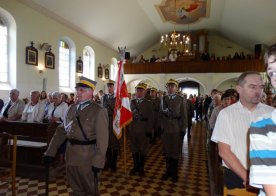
174 123
156 107
190 112
86 129
140 129
108 101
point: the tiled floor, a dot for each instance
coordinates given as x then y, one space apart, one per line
193 175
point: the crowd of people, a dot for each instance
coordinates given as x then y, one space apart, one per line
87 120
205 56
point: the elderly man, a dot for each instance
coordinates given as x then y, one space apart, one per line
12 110
231 128
34 110
86 129
56 109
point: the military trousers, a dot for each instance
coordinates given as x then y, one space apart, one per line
82 180
171 143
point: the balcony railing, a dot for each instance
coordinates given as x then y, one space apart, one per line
228 66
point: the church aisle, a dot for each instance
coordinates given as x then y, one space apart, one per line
193 174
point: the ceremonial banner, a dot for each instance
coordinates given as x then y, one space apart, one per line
122 113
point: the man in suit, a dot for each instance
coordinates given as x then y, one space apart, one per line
86 129
108 102
12 110
174 123
141 129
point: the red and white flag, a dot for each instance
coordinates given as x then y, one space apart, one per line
122 113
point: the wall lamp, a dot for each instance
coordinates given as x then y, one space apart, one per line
40 68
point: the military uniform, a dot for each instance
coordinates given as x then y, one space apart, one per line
156 115
108 102
85 153
174 124
140 130
190 112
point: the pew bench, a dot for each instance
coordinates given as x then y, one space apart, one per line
33 140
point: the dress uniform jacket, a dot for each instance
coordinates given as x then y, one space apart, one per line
94 120
156 114
17 107
141 126
81 158
174 123
108 102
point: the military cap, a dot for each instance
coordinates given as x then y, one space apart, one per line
110 82
141 85
86 83
153 89
172 81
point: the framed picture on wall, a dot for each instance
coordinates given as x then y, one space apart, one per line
100 71
79 66
49 60
106 73
31 55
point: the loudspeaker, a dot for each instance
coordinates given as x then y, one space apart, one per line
258 50
127 55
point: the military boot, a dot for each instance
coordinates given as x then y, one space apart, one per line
168 172
108 159
114 161
189 133
135 168
142 165
174 170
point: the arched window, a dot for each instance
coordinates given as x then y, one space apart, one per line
64 64
113 70
7 50
67 59
88 63
3 52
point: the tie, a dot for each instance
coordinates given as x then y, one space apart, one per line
139 101
53 112
83 105
5 113
171 97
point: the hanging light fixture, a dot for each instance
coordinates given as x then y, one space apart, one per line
176 40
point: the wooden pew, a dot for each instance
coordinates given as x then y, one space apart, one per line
33 140
214 166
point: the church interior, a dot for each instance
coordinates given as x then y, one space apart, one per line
202 44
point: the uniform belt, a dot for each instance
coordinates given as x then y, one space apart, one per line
173 117
140 119
78 142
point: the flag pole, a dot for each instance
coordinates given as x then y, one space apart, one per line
125 166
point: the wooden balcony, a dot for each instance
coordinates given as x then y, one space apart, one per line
227 66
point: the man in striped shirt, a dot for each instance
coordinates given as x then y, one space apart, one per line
262 136
231 128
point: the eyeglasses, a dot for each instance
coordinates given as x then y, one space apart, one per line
272 74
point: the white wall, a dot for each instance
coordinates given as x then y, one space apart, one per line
217 44
36 27
222 46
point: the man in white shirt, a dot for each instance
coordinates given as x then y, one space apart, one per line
231 129
12 110
33 111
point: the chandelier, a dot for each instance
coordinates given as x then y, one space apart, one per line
177 41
